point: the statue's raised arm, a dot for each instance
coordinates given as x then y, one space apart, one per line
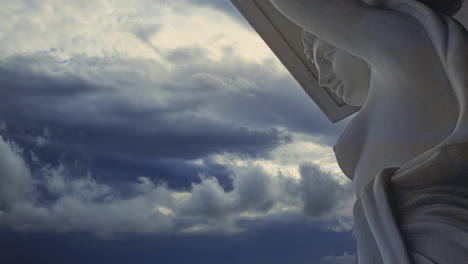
358 27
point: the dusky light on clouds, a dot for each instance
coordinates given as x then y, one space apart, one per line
160 131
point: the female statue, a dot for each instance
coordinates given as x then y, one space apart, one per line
406 63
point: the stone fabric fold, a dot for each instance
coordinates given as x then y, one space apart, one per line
418 215
376 203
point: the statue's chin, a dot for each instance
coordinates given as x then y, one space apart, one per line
354 100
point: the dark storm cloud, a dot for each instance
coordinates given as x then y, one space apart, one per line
172 128
204 107
321 194
16 83
174 151
179 174
158 121
58 199
255 94
128 125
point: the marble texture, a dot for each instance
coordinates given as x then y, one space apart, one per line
407 148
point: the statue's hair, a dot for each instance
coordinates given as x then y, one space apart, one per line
314 46
446 7
309 40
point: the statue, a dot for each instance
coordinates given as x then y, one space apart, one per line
406 63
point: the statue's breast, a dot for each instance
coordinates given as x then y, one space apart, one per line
349 147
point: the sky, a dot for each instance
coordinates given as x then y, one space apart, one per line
160 131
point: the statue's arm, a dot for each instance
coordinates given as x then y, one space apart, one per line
354 26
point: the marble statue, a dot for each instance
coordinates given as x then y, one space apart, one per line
406 63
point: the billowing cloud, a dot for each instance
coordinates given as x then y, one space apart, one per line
59 201
78 204
168 118
322 195
143 116
15 181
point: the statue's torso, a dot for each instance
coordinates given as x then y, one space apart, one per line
394 130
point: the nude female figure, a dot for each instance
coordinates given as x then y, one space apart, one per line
406 63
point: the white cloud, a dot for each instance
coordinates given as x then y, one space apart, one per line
131 29
285 158
253 191
81 204
16 183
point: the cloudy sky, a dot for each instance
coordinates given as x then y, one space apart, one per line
160 131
